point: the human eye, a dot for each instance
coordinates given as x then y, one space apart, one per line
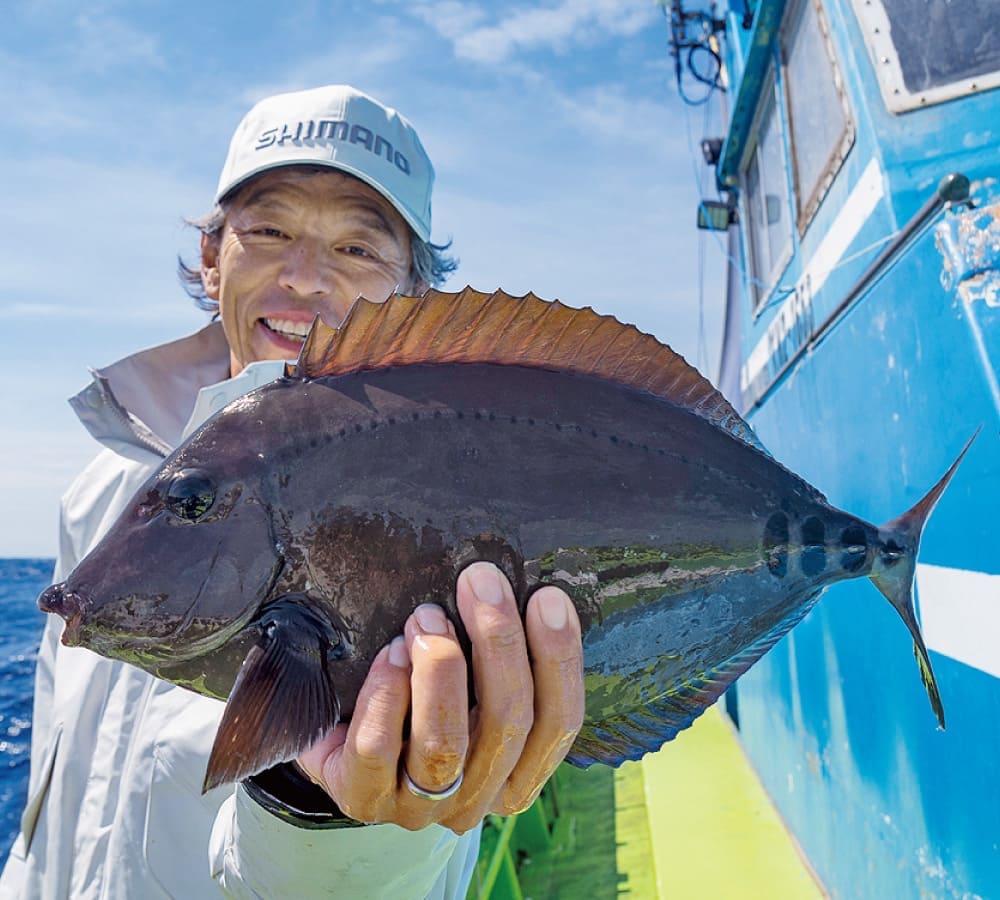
268 231
365 244
261 234
256 223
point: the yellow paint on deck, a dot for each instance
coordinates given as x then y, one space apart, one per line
691 822
633 844
712 830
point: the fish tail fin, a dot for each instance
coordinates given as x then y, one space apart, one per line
895 567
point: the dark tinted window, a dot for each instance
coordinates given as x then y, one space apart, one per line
942 41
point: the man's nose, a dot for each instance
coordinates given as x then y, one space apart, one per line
308 269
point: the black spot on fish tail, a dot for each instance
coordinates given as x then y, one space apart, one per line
776 544
891 552
853 548
813 546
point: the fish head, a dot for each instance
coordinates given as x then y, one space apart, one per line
184 568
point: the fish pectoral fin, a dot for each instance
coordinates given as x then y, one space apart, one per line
284 699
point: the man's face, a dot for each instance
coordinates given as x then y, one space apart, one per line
295 243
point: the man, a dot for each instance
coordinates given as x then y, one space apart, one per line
325 195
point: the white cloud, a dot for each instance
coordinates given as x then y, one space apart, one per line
452 19
556 27
97 40
609 112
105 42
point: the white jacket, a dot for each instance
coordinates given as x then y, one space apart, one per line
115 808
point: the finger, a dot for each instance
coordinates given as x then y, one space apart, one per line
553 630
439 722
361 773
314 759
503 681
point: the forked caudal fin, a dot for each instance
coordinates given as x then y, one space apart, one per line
896 565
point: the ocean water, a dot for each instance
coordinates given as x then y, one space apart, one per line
21 581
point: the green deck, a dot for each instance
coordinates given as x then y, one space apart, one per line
691 821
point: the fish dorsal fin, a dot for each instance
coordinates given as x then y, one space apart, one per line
473 327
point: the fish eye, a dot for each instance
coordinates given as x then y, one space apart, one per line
190 494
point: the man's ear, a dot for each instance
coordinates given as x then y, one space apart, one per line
210 266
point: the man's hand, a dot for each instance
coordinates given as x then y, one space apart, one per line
526 717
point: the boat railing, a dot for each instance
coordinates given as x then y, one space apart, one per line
952 190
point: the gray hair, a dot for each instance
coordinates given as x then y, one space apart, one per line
429 267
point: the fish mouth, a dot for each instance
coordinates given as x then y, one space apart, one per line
71 631
70 606
89 624
76 609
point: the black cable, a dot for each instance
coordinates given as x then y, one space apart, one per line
680 23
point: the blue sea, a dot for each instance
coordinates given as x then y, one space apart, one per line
21 581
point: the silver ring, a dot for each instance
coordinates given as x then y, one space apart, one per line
418 791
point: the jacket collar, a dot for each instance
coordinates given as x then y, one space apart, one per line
145 400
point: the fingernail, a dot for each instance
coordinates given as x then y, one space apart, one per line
485 583
431 619
398 654
552 609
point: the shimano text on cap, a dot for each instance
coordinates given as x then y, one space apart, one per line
340 127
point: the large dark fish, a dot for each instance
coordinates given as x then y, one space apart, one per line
277 550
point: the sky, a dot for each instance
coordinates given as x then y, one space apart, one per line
566 165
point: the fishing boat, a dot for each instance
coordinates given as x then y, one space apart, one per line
857 206
858 198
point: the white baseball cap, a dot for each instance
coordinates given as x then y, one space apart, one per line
340 127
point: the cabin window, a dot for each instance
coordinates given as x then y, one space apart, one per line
765 190
928 51
821 130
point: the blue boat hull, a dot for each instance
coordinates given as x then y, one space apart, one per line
864 364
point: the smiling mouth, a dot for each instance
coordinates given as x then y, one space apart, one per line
286 328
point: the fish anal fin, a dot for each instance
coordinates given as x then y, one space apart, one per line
645 729
283 699
473 327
